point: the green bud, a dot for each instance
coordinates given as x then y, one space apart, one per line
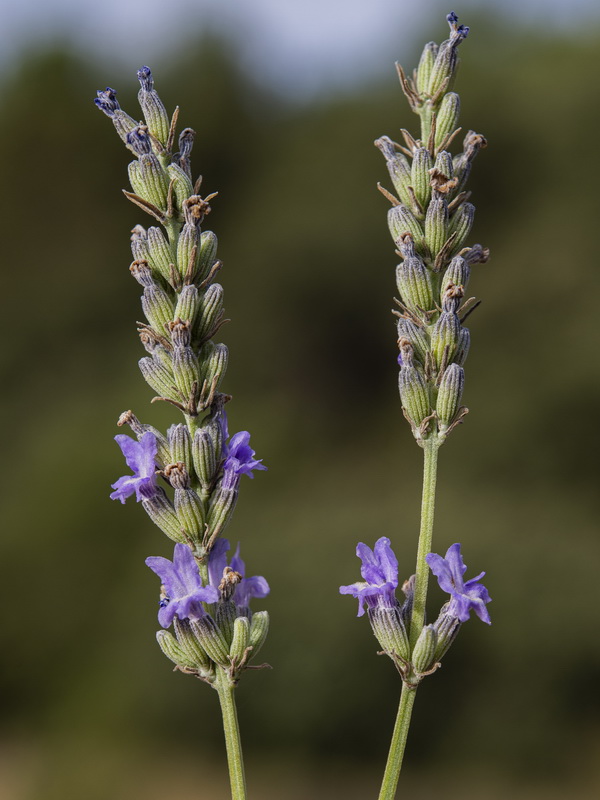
214 363
207 256
447 628
414 284
190 644
464 343
443 164
157 307
436 225
401 220
190 513
423 657
259 628
152 107
226 616
414 394
204 457
211 639
398 168
154 180
389 631
450 395
241 638
161 256
444 67
416 336
187 258
161 512
458 274
220 511
134 171
472 144
426 63
180 444
461 223
445 332
447 118
211 311
420 175
173 651
158 378
182 185
188 304
139 244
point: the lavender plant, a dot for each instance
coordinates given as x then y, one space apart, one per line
187 480
430 221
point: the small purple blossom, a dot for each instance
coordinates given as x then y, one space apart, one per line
380 572
238 455
183 589
247 588
464 596
141 458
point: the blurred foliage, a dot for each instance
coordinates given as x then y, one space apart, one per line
91 709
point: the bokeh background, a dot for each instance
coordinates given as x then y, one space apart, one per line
286 99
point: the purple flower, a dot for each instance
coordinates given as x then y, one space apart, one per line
247 588
107 101
183 589
239 457
141 458
463 596
380 572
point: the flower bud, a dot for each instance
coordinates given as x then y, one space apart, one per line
207 255
389 631
214 363
161 512
259 628
461 224
158 378
446 627
426 63
173 651
161 256
153 109
401 220
423 656
464 343
450 395
187 256
211 639
472 144
398 168
190 644
149 180
241 638
220 510
420 175
180 444
182 184
416 336
414 394
158 307
211 311
188 304
444 68
139 244
445 333
447 117
190 512
204 457
443 164
226 616
458 274
182 158
185 370
107 102
436 225
414 284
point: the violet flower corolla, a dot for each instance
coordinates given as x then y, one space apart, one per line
239 458
465 596
141 458
380 572
183 589
246 588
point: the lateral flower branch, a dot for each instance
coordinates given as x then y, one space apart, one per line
187 480
430 222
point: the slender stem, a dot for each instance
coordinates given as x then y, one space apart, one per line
398 743
430 450
233 742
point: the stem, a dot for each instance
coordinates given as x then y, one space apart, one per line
430 449
398 743
233 742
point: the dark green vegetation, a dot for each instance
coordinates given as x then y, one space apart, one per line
91 706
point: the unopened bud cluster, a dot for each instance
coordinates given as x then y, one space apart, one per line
430 222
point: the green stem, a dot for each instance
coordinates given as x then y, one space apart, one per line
398 743
233 742
430 450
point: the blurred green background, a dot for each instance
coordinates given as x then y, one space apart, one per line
91 709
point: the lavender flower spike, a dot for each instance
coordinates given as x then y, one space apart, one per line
464 597
380 571
183 589
141 458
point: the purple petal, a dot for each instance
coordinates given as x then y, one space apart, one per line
217 561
